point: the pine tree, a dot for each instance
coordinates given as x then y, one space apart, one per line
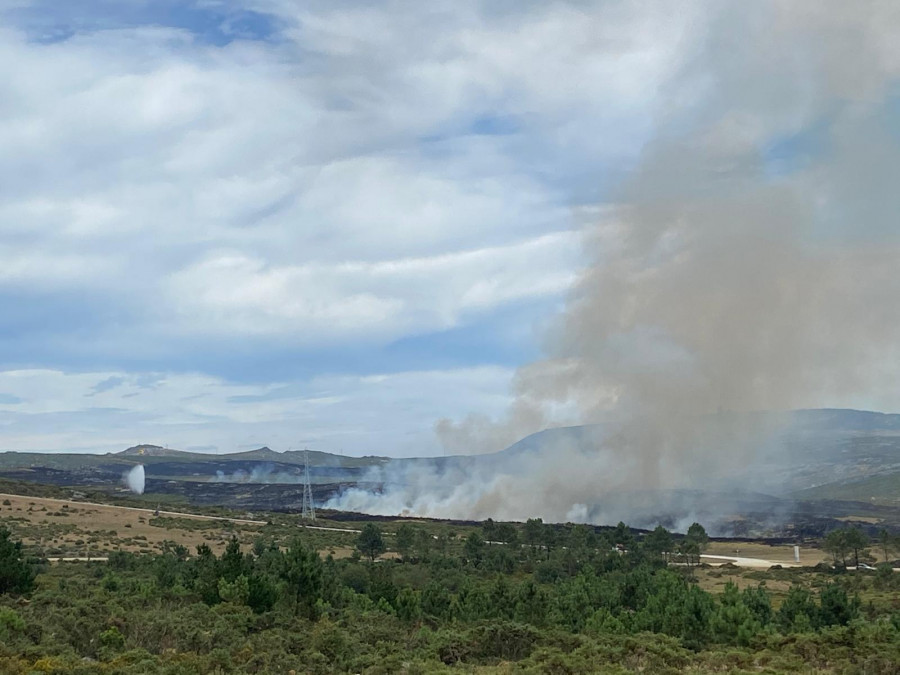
16 575
370 542
659 542
837 545
302 572
696 540
405 540
474 548
887 542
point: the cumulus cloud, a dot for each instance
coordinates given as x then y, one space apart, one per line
208 187
133 154
387 298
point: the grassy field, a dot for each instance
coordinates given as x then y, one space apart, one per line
60 528
67 528
883 489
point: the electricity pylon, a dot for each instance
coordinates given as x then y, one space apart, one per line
309 509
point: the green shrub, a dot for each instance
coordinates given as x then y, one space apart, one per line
16 574
112 639
11 624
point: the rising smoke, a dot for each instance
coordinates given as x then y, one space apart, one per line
750 263
135 479
259 473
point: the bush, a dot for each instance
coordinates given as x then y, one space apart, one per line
506 640
16 574
263 593
112 639
10 624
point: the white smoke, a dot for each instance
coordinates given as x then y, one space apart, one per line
261 473
135 479
749 263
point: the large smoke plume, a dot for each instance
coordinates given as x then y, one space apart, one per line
750 263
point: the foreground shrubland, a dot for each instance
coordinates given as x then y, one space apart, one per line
573 607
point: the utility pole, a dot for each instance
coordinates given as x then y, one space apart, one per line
309 509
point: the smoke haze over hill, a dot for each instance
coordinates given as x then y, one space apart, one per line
749 263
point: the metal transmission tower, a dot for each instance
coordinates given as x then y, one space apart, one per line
309 509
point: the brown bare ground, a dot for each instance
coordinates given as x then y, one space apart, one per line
109 525
127 523
710 581
777 554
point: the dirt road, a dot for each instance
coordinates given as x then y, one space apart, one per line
744 562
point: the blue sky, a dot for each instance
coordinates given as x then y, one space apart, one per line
229 224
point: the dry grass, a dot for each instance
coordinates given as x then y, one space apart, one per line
104 528
68 529
777 554
860 519
714 581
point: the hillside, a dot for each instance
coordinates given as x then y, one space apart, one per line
797 450
145 451
881 489
849 458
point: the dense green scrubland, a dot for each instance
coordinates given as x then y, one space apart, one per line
546 600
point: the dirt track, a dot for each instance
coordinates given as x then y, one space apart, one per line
744 562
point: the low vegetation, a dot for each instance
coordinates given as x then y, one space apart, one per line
499 598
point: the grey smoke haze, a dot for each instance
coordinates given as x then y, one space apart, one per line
750 263
261 473
135 479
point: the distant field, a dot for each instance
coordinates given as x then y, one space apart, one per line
777 554
66 528
69 528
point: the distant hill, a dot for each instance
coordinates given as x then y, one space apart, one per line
817 465
882 488
148 451
800 450
813 448
262 465
845 420
153 454
827 421
264 453
581 437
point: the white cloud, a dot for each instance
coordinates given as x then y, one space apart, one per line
331 187
151 151
51 410
385 299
